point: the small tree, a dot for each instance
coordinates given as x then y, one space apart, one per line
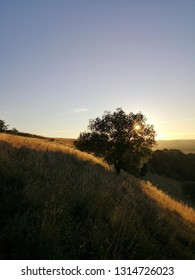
14 130
3 127
123 140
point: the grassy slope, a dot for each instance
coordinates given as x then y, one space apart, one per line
171 171
60 203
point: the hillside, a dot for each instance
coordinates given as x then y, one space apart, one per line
60 203
173 172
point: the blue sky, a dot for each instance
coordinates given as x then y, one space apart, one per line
64 62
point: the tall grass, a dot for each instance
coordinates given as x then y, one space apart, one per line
60 203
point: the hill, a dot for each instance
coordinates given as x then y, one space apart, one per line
186 146
60 203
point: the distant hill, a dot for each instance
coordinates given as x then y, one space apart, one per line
60 203
186 146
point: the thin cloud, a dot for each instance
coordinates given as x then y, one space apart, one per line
78 110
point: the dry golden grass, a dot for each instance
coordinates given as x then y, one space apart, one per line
60 203
59 145
170 186
169 203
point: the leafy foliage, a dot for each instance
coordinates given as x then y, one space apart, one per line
123 140
174 164
3 127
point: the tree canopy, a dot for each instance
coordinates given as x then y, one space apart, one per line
3 127
123 140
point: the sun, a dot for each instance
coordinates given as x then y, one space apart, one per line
137 127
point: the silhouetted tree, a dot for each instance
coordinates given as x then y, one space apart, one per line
3 127
14 130
123 140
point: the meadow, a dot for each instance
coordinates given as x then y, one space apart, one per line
61 203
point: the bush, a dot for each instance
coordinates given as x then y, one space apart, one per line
188 188
174 164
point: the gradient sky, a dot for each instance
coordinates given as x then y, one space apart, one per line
63 62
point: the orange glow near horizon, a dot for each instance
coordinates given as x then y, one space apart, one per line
174 129
174 136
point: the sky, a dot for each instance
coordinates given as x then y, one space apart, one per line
63 62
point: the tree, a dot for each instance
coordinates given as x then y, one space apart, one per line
14 130
3 127
123 140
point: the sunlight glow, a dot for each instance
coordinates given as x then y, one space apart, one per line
137 127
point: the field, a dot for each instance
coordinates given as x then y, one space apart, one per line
60 203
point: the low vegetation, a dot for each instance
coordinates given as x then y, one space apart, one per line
61 203
174 164
173 172
188 189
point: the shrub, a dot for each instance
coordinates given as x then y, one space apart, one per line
188 188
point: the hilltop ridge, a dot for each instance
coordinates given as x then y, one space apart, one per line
186 146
